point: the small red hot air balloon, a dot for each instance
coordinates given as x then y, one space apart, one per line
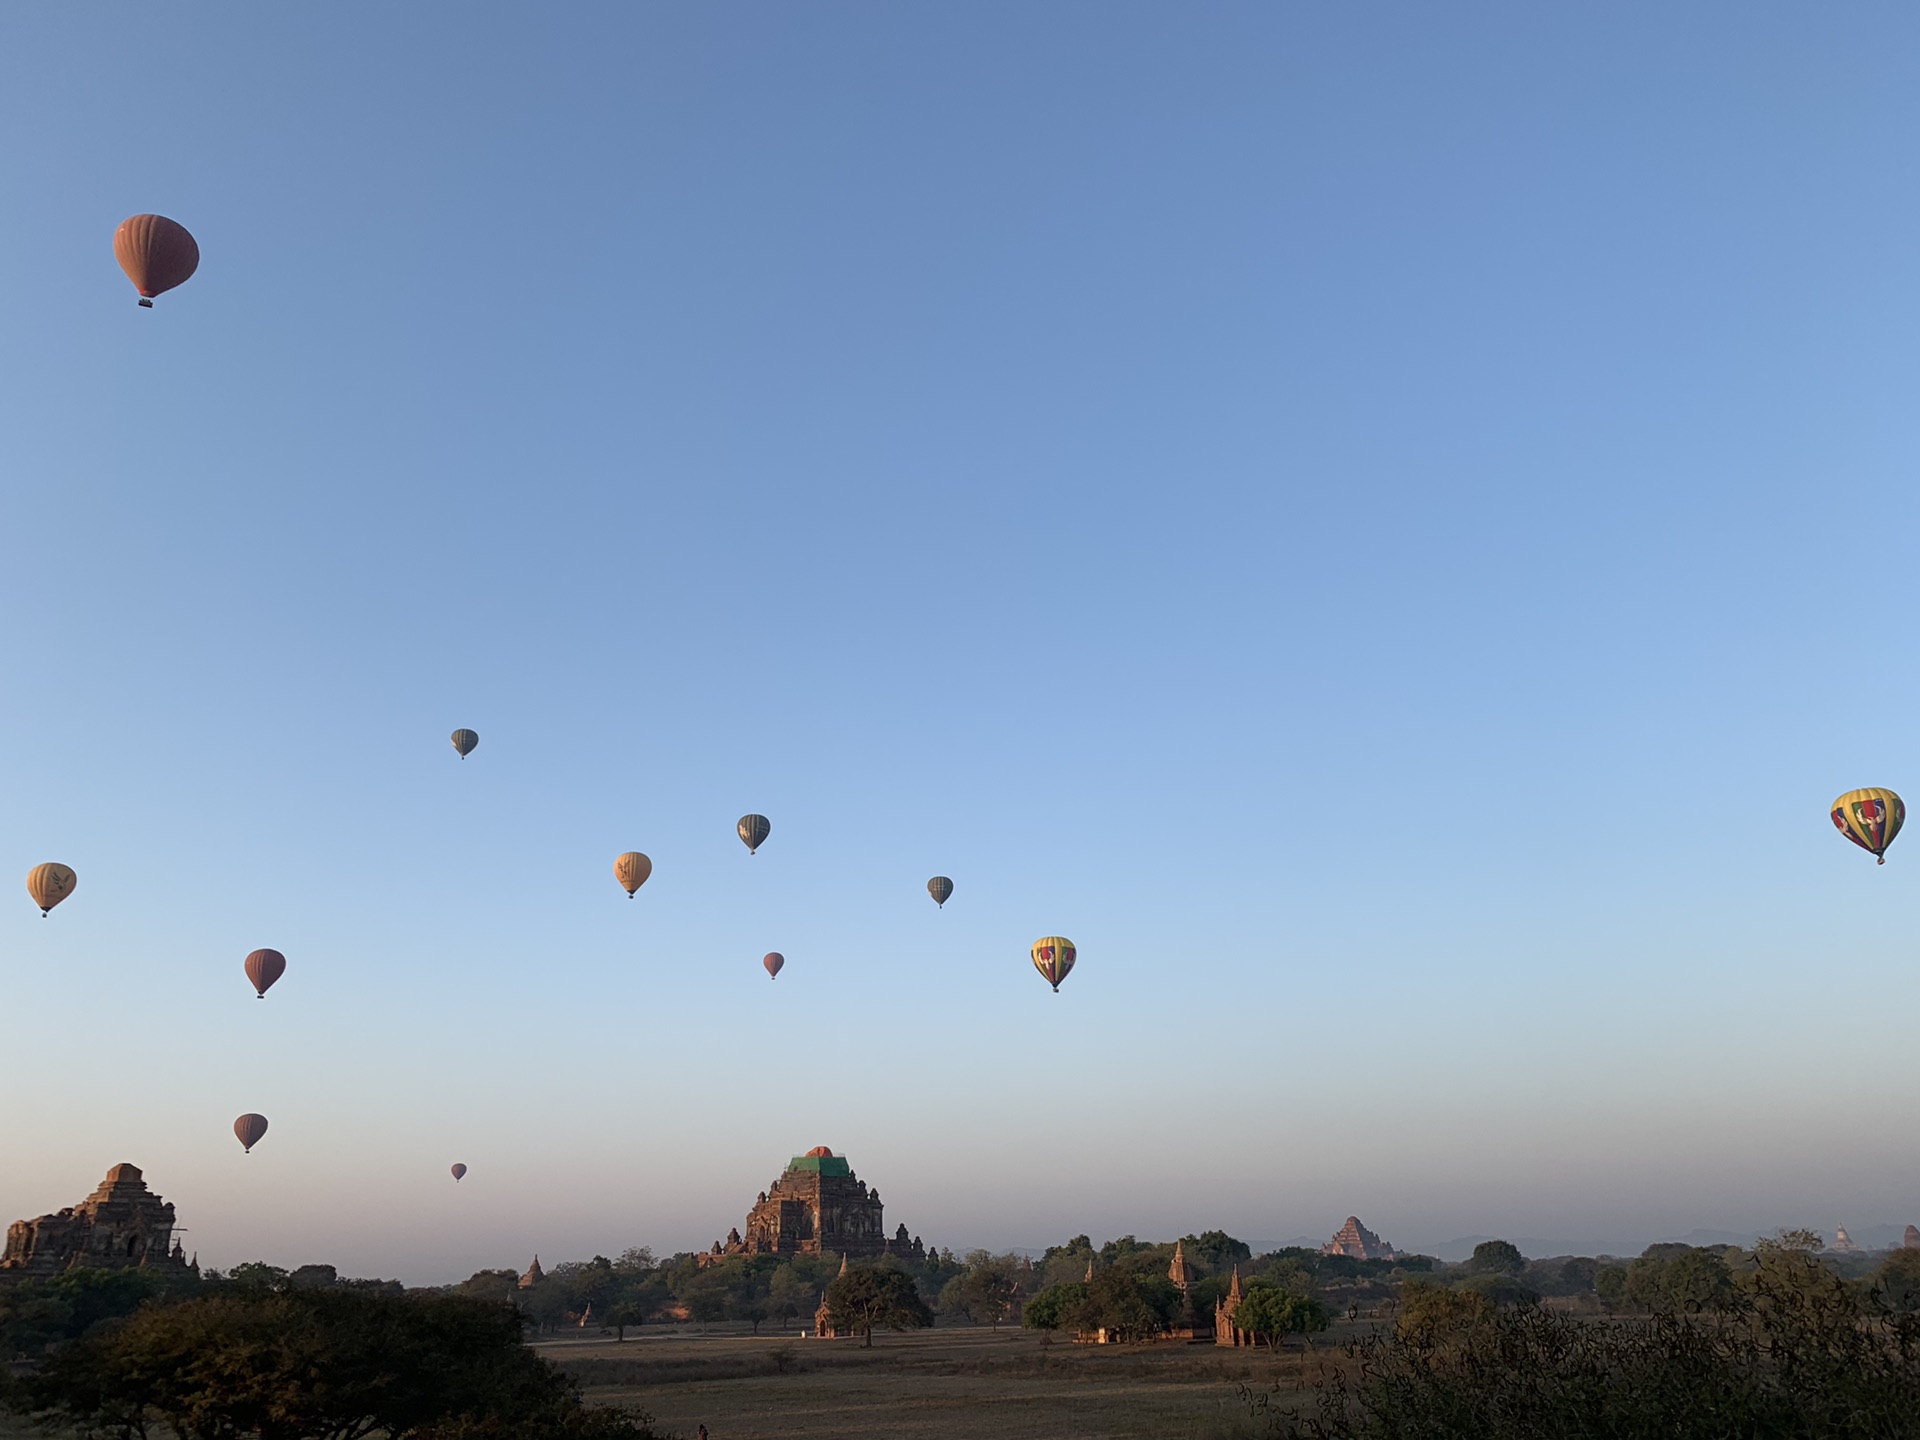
263 968
458 1172
249 1129
773 962
157 254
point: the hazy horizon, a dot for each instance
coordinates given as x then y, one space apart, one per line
1383 526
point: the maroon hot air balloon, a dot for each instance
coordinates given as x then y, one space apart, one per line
263 968
157 254
248 1129
459 1171
773 962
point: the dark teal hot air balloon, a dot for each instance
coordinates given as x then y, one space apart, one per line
941 889
753 831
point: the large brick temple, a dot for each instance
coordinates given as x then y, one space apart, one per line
817 1205
121 1226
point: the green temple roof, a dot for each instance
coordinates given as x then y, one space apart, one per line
821 1164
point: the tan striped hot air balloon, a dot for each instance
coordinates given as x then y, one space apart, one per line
941 889
157 254
1053 957
249 1129
632 870
263 967
49 884
464 741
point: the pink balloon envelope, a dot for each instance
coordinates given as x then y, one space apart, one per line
773 962
458 1172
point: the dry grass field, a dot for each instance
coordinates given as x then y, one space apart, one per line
959 1384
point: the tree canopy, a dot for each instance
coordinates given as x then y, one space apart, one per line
870 1296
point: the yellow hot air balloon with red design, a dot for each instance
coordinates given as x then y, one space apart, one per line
1870 818
1053 957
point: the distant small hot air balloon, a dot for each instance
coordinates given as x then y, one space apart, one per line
753 830
941 889
49 884
157 254
1053 958
263 968
632 870
774 961
248 1129
458 1172
1870 818
464 741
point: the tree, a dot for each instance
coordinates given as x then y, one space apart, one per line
985 1290
1610 1284
1496 1257
1127 1306
876 1295
1054 1306
314 1364
706 1306
788 1294
1215 1250
1428 1310
1271 1314
621 1315
1897 1281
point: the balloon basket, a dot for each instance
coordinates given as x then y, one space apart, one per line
146 304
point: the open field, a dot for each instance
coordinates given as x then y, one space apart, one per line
926 1385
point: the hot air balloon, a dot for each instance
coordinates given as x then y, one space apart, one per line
248 1129
263 968
1870 819
1053 958
941 889
464 741
632 870
754 830
774 961
49 884
458 1172
157 254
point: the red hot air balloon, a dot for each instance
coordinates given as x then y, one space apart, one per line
157 254
263 968
249 1129
773 962
459 1173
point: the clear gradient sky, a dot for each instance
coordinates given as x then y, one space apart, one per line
1387 524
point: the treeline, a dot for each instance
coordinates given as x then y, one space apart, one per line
133 1354
1777 1342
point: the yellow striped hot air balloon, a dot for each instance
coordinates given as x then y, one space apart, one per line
1053 958
49 884
632 870
1870 818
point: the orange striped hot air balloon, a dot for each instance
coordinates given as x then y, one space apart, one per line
632 870
49 884
263 968
248 1130
1053 958
157 254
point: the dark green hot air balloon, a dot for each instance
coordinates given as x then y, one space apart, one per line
753 830
464 741
941 888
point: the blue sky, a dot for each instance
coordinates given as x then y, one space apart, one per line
1385 525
